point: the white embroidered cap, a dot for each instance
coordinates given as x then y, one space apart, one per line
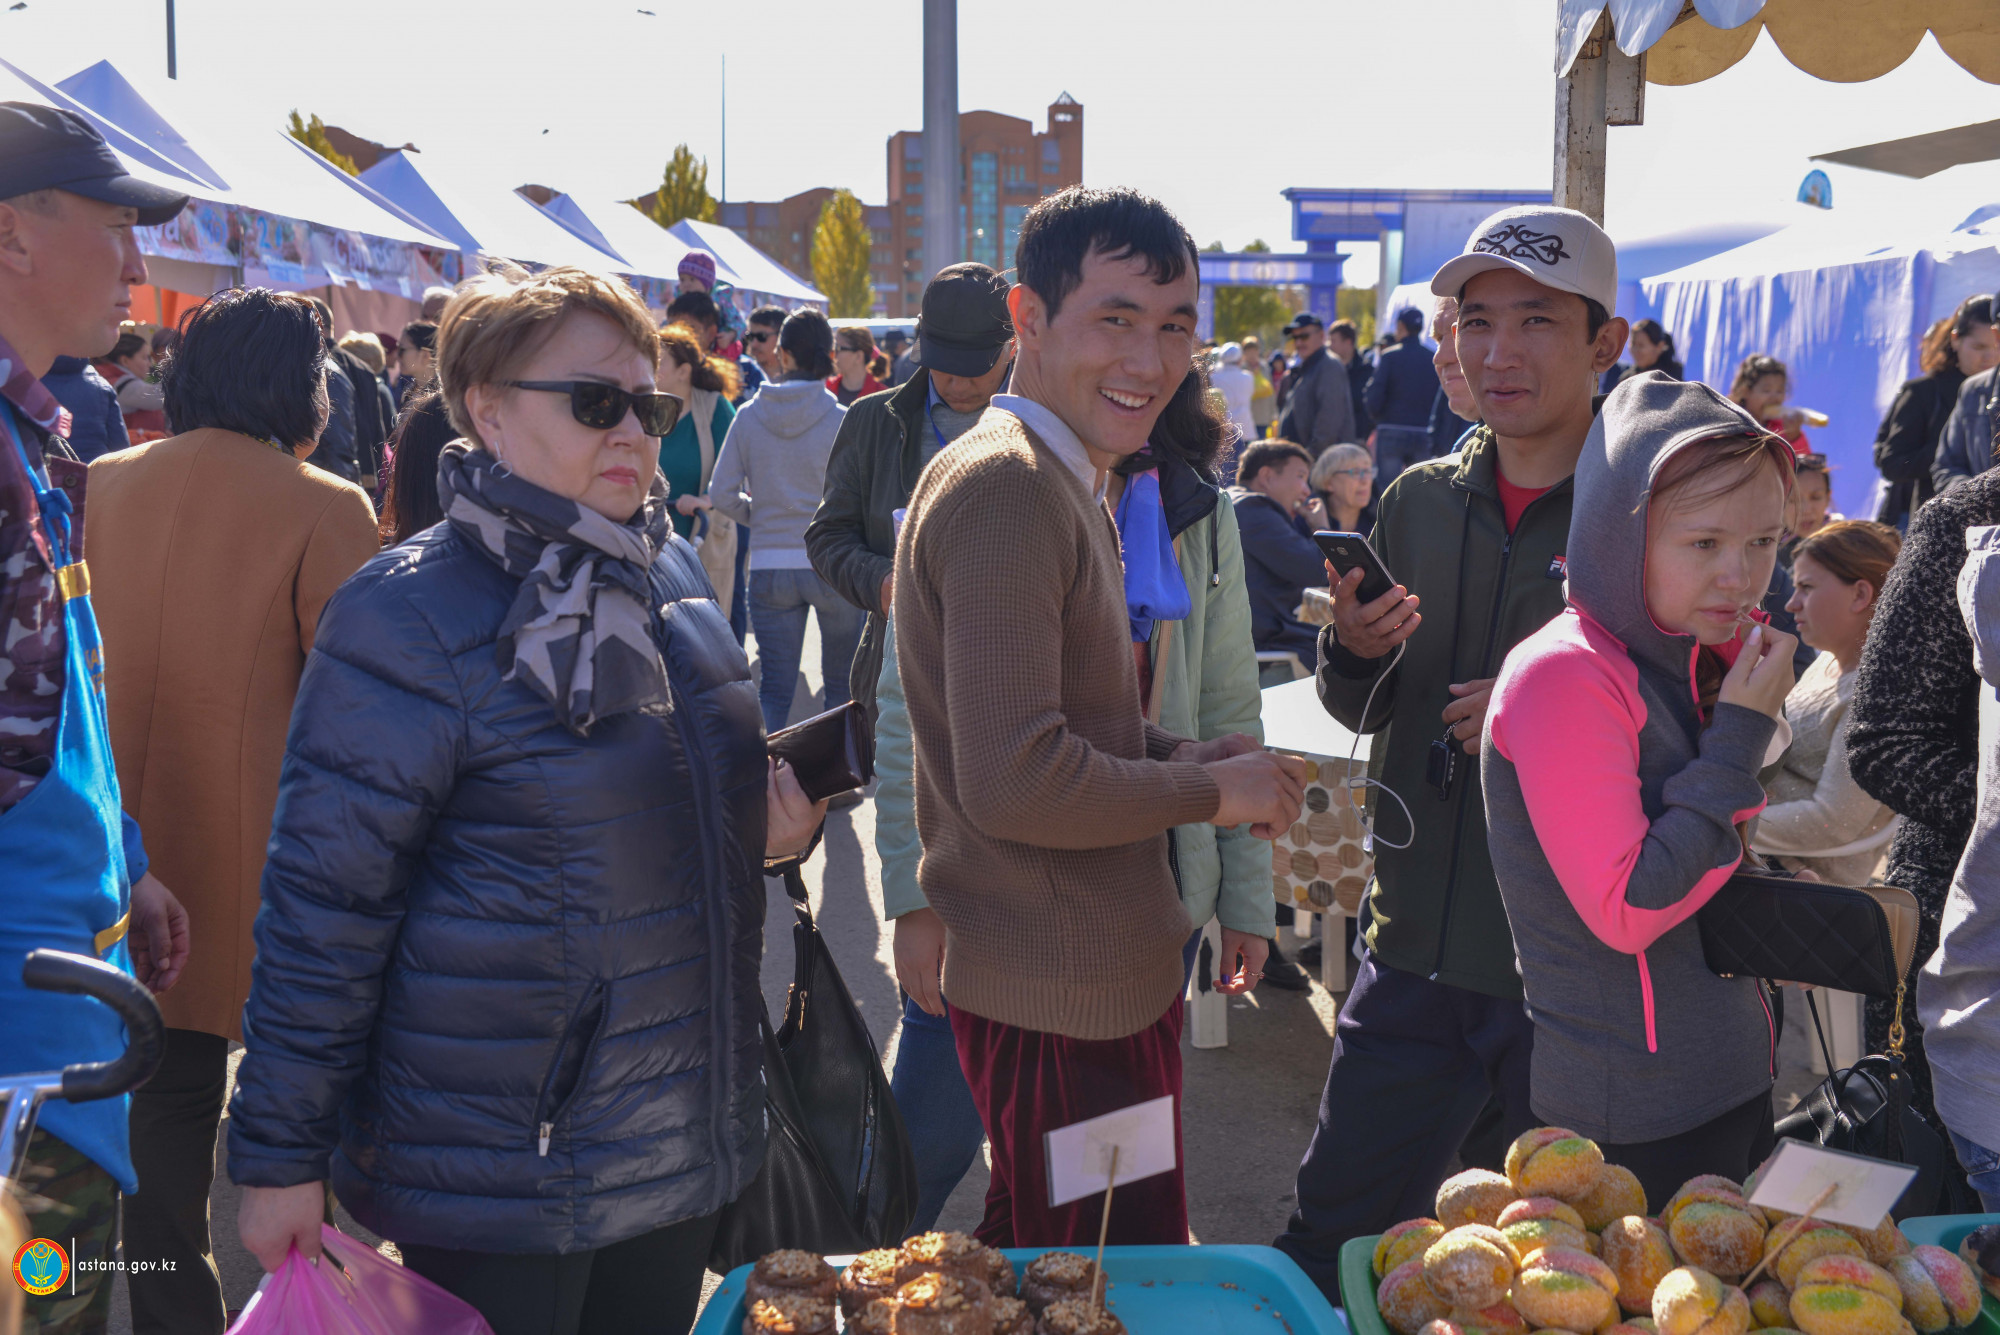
1558 248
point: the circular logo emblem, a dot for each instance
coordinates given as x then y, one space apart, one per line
41 1267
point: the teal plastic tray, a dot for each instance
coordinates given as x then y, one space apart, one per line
1156 1291
1947 1231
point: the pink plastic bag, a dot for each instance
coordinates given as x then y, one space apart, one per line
353 1290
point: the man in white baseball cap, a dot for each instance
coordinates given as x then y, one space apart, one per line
1433 1037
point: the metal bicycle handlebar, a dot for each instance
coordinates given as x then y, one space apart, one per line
82 1082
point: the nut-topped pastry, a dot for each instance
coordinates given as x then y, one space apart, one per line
1012 1317
877 1318
868 1276
1079 1316
791 1271
940 1304
948 1254
789 1314
1055 1276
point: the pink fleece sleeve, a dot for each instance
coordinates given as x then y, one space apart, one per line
1570 723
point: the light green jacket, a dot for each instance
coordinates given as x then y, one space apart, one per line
1207 669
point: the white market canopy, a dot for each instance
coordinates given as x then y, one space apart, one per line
1841 41
481 217
641 245
744 266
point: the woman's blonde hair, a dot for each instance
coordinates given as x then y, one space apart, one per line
501 318
367 349
1336 458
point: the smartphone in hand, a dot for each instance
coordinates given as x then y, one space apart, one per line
1350 551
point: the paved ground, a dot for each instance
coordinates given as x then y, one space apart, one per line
1248 1112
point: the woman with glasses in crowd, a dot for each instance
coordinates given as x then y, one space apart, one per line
857 367
506 996
1344 480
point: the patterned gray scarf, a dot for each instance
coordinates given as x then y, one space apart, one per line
580 630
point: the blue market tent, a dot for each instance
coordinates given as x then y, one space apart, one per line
1842 297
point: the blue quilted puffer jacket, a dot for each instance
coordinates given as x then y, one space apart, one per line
506 989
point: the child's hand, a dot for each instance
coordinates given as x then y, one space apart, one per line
1762 676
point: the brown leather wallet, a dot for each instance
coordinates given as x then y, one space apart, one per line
829 753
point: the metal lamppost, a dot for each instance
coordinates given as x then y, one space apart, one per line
944 238
173 66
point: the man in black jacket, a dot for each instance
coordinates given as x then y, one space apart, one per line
1401 392
1276 516
1343 340
965 344
1315 408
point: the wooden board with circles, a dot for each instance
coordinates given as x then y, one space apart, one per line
1319 864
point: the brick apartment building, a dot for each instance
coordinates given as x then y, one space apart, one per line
1005 166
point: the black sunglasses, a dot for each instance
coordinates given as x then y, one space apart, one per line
759 336
1301 336
601 407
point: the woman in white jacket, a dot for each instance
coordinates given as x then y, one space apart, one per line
1819 819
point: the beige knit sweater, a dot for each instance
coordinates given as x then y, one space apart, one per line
1043 796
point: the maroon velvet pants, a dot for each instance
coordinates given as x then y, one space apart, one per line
1025 1083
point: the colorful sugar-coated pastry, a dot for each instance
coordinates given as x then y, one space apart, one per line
1476 1196
1567 1289
1405 1299
1471 1267
1530 1237
1614 1193
1400 1243
1806 1246
1882 1243
1690 1301
1939 1290
1539 1207
1552 1161
1638 1252
1632 1325
1847 1295
1770 1304
1503 1318
1722 1236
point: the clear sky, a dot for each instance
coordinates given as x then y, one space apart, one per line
1213 107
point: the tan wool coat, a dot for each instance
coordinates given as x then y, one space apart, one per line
211 556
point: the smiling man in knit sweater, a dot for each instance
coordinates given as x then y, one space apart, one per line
1043 795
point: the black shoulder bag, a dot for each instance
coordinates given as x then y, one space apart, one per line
838 1175
1850 939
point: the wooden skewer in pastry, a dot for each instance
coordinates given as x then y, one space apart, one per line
1104 1231
1786 1235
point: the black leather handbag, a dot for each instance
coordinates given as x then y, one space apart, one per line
830 753
839 1175
1865 1109
1849 938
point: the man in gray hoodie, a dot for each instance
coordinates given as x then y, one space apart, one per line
769 477
1958 995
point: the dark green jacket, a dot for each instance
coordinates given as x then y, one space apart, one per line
1436 908
876 458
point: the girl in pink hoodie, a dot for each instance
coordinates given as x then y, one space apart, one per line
1620 761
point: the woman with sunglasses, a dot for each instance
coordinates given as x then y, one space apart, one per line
857 367
506 992
770 477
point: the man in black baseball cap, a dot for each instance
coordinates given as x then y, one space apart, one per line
67 265
1315 408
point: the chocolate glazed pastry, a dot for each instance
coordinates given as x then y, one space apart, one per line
869 1276
1055 1276
877 1318
935 1304
791 1272
1079 1316
1012 1317
947 1254
789 1314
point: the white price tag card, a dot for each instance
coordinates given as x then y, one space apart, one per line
1864 1189
1079 1155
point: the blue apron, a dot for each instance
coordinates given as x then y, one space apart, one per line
63 879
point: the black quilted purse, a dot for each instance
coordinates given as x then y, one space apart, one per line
839 1175
1852 939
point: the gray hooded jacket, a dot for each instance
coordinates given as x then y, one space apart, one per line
772 469
1958 996
1611 813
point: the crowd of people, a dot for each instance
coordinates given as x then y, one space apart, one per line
401 728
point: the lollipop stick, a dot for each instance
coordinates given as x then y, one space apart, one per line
1104 1231
1787 1233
